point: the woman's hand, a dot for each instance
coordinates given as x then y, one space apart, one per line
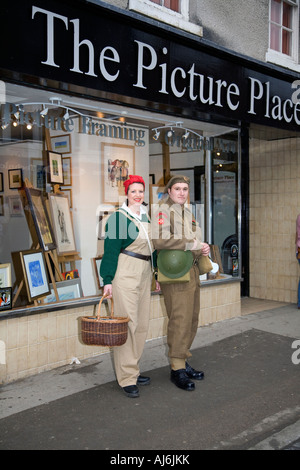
107 291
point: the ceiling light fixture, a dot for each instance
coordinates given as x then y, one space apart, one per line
170 131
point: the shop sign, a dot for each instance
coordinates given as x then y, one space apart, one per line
89 46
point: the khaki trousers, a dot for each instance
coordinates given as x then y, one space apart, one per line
182 301
132 297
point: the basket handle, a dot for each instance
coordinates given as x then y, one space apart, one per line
99 306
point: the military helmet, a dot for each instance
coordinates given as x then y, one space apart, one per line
174 263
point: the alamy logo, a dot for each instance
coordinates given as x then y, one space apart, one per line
296 354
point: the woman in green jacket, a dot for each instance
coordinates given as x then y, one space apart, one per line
126 270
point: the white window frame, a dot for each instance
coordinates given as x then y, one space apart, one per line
166 15
284 60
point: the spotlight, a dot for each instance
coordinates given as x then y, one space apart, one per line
185 136
67 115
170 133
156 135
44 112
29 126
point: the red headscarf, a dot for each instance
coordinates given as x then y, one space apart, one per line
133 179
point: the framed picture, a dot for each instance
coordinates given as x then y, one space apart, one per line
157 194
15 206
67 170
1 183
35 274
37 173
5 298
55 169
118 161
67 290
40 218
62 223
5 275
1 205
97 263
15 178
61 143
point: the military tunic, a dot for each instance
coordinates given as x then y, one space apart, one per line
174 228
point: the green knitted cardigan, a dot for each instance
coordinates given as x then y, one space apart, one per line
120 232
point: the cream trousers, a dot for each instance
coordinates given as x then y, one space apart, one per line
132 297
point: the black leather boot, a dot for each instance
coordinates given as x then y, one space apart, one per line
194 374
180 379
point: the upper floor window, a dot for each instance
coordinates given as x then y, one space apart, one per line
281 26
283 33
172 12
172 4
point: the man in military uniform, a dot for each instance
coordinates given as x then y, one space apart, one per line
175 229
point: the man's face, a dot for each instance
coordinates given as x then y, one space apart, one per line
179 193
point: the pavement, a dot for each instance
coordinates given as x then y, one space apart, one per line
249 399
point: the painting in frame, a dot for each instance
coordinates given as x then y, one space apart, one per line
67 290
97 263
5 275
55 168
61 143
62 223
15 178
37 173
5 298
118 161
40 218
35 274
15 206
67 170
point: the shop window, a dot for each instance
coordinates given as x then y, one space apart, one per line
212 165
283 32
62 168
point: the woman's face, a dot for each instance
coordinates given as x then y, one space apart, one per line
135 195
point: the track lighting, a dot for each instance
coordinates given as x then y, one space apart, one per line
67 115
170 131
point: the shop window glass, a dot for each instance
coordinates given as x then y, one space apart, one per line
212 166
58 202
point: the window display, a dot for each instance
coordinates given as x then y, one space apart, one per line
67 172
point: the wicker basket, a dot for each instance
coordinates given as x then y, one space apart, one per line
104 331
